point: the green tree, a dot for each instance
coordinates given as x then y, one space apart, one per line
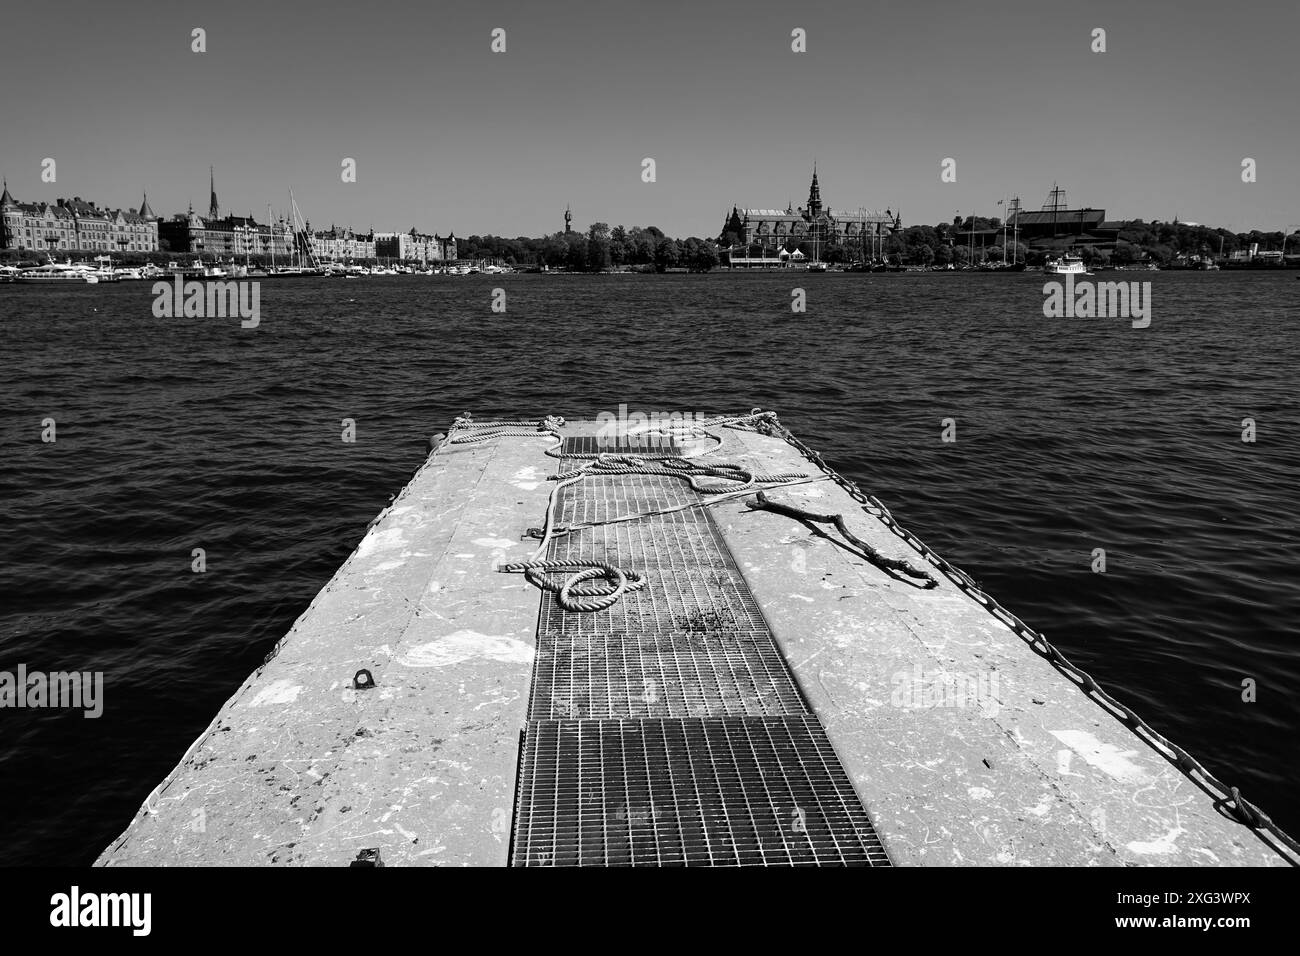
667 254
701 255
576 254
1125 253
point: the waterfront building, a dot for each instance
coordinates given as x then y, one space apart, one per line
338 244
409 246
1055 221
75 225
772 229
226 237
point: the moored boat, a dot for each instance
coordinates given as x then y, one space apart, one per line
1065 265
57 272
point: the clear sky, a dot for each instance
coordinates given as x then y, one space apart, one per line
449 136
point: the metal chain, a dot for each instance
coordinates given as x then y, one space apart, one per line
1227 799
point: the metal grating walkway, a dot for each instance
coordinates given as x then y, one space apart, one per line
668 729
660 675
739 791
589 446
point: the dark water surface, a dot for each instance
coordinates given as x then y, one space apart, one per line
175 434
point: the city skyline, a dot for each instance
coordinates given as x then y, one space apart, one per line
731 116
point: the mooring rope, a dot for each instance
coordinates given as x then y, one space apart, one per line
881 561
567 593
727 479
756 420
728 476
484 431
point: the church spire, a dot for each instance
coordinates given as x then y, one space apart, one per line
213 209
814 194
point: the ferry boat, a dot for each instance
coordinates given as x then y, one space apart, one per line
1065 265
57 272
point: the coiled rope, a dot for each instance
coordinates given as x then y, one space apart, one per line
571 593
472 431
575 593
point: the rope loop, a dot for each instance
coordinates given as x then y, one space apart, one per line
574 593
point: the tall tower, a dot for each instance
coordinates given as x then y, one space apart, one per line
568 221
814 196
213 212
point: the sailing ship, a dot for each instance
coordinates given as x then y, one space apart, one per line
302 260
816 265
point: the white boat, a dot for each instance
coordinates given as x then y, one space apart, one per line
1065 265
57 272
104 270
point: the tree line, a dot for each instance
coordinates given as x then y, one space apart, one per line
599 248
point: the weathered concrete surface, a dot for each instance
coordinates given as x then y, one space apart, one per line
299 768
1024 771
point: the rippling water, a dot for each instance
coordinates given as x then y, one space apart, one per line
1072 435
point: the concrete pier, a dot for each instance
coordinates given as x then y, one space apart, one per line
963 746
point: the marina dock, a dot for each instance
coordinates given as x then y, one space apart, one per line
758 667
